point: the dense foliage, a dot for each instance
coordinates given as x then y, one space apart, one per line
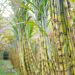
44 37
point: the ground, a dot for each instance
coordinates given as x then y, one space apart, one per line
6 68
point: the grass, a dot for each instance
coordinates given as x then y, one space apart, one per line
6 68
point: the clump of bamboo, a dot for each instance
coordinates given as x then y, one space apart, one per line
55 45
62 30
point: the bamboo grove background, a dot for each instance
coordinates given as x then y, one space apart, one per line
44 37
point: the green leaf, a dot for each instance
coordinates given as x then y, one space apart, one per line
32 23
72 0
29 28
32 4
